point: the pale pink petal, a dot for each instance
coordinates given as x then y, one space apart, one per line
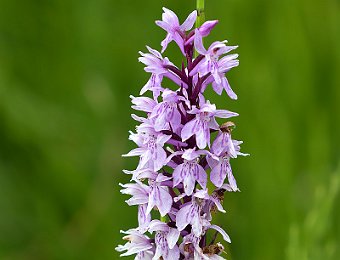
218 88
190 154
158 253
144 159
135 152
225 49
180 42
213 124
170 17
231 148
228 89
225 114
172 237
201 138
159 158
165 26
217 175
202 177
189 183
162 139
206 27
189 22
229 61
222 232
219 206
198 68
175 120
207 134
231 178
212 162
199 43
154 52
161 123
143 103
137 199
137 138
218 145
182 219
175 79
160 178
166 41
196 223
173 254
177 178
145 255
143 218
138 118
189 129
216 75
151 203
157 225
163 201
137 248
205 30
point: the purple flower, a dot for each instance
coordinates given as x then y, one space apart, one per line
159 196
175 31
148 197
189 172
224 144
166 114
191 214
212 64
144 218
204 121
165 239
151 152
220 171
140 196
138 243
157 66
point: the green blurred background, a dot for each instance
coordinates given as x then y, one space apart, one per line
67 69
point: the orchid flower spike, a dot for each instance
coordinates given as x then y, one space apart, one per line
185 148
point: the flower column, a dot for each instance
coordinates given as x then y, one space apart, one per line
183 142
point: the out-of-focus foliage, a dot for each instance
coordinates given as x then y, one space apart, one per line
67 69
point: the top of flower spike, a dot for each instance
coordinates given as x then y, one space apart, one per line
175 31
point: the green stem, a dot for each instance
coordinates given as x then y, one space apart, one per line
200 13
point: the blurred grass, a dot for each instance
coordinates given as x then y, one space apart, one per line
313 239
66 71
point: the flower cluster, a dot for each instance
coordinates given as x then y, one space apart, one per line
181 147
